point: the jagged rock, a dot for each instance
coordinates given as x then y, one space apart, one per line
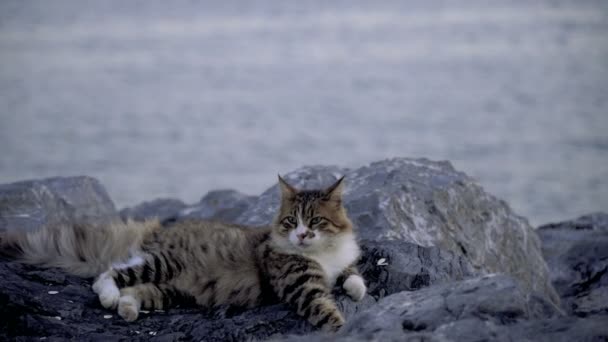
31 204
161 209
430 204
577 254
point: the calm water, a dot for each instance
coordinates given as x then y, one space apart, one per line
175 101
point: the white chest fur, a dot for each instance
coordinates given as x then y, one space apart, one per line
339 258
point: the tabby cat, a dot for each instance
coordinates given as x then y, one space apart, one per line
308 248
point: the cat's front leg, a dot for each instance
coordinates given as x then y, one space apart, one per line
301 283
353 283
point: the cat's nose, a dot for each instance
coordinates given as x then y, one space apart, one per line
308 234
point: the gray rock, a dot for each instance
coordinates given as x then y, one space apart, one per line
161 209
429 234
495 298
394 266
430 204
31 204
223 205
577 254
486 308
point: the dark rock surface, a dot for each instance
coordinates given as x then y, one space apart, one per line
31 204
577 254
33 312
433 244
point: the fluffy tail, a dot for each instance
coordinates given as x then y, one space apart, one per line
84 251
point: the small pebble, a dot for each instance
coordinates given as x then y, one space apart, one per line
107 316
152 333
137 332
53 292
58 318
382 262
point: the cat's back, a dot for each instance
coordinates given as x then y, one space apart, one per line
212 242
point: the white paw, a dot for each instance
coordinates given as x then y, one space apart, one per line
355 287
128 308
107 290
109 298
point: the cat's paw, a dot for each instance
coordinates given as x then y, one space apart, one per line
128 308
334 323
355 287
107 290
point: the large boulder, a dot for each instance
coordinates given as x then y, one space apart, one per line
577 254
28 205
415 200
429 204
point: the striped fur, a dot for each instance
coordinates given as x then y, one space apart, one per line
297 260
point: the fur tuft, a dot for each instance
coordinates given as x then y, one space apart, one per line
85 251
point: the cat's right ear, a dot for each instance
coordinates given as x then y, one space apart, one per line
287 191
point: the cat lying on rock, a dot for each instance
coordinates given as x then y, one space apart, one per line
308 248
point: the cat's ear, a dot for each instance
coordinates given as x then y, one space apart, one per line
287 191
334 191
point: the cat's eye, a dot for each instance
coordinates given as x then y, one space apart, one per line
315 220
292 220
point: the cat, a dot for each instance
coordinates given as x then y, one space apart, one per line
309 247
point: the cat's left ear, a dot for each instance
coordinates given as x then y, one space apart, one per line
287 191
334 191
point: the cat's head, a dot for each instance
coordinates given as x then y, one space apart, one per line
311 220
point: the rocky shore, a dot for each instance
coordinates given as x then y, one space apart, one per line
443 259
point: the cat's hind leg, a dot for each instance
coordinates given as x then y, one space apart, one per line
153 268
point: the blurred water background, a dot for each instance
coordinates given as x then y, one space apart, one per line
161 99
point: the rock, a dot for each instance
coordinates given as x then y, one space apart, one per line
223 205
492 298
432 243
31 204
161 209
394 266
577 254
487 308
429 204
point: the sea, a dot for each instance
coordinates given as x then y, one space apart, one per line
174 99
